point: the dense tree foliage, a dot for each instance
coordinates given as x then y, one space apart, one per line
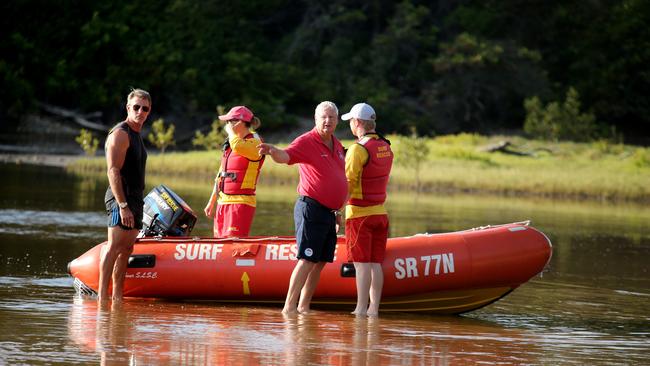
438 66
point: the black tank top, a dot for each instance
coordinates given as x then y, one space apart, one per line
133 169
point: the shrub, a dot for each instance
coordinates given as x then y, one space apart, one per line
641 158
212 140
161 137
411 152
87 141
560 121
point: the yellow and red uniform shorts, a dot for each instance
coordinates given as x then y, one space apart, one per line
366 238
233 220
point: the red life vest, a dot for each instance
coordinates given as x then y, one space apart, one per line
239 174
374 178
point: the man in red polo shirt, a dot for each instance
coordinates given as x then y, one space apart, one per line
323 189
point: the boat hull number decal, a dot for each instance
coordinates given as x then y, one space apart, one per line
425 266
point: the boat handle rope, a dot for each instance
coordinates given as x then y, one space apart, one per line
267 238
523 223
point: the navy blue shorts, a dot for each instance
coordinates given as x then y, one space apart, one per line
315 230
113 212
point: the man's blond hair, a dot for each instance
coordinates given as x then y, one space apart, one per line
367 125
140 93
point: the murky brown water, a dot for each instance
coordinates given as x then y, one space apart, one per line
589 307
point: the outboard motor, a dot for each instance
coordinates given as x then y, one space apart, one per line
166 214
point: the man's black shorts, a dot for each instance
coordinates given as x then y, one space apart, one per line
113 212
315 230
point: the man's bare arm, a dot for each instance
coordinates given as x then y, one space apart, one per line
278 155
116 145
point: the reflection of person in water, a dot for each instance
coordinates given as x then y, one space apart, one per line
303 340
113 333
364 340
105 332
296 335
145 334
148 333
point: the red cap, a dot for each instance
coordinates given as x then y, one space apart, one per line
239 112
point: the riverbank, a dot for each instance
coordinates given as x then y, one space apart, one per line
464 163
60 161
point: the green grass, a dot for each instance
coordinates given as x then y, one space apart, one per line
457 163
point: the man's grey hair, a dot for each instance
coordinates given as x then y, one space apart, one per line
140 93
326 105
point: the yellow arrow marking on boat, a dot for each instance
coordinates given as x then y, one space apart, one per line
244 281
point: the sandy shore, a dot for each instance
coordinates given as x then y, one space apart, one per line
39 159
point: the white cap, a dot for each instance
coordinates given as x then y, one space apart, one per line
361 111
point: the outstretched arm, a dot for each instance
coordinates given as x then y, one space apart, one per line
278 155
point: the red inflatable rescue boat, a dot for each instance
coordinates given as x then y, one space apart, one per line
446 273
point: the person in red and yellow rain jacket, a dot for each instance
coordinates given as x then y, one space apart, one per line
237 179
367 167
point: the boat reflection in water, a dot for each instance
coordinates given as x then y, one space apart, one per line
141 332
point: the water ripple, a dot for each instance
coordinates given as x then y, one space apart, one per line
8 281
59 218
52 224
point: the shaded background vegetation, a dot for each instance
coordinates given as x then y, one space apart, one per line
439 66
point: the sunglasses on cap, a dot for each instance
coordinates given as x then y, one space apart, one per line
136 107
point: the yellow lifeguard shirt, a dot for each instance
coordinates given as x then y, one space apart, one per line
355 159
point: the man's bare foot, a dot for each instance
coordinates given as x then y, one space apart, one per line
288 311
117 306
358 312
104 305
303 310
372 314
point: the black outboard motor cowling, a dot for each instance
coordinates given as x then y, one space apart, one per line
166 214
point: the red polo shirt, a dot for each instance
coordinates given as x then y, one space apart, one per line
322 171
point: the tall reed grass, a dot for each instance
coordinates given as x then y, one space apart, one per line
458 163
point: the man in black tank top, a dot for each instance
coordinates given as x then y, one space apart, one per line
126 159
